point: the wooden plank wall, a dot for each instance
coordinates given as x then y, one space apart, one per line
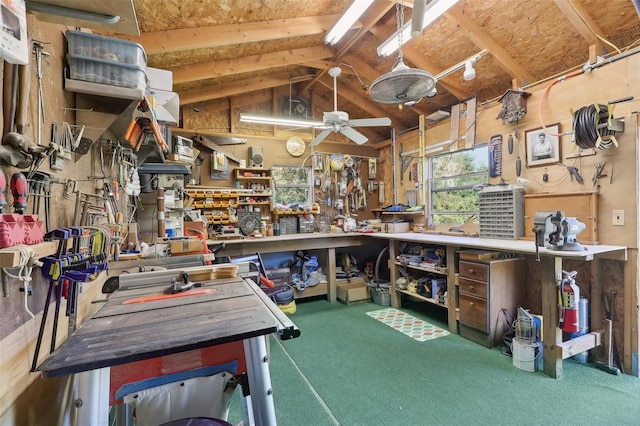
25 398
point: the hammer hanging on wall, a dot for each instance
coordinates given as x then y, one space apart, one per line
9 89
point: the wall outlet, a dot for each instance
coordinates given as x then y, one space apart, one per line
617 217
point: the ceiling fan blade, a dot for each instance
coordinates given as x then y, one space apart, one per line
370 122
354 135
320 137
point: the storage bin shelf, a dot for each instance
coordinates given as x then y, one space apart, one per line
101 71
107 48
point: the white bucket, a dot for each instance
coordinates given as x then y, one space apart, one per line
524 355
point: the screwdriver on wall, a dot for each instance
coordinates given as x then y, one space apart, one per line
3 187
20 191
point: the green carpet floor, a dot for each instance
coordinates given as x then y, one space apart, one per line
349 369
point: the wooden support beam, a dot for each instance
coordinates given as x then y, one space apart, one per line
224 35
372 16
247 85
580 344
246 64
583 23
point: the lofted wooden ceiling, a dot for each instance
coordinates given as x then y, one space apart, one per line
221 51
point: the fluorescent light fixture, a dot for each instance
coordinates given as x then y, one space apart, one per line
433 11
346 21
279 121
71 13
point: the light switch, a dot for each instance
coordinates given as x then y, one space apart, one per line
617 217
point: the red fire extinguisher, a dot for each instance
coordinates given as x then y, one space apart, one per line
568 297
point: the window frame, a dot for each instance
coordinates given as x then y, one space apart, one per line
308 186
430 181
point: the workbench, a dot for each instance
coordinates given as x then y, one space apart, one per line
555 350
328 242
122 334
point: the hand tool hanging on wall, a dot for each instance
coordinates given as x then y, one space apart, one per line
24 87
574 173
598 173
41 56
3 188
9 96
20 192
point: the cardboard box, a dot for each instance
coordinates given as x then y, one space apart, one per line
395 227
186 246
352 292
197 225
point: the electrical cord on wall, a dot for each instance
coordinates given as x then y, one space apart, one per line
25 265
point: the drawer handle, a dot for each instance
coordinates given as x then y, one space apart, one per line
471 271
470 303
470 287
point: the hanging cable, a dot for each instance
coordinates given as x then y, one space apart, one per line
25 265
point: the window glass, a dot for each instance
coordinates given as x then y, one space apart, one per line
292 185
452 177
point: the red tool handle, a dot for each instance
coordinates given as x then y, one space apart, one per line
20 191
266 281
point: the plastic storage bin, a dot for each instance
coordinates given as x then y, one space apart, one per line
106 48
106 72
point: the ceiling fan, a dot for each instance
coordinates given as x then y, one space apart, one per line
338 121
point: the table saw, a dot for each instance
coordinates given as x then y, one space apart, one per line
143 329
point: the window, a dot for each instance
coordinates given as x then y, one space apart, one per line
292 185
452 177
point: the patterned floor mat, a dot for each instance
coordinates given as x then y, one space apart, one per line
411 326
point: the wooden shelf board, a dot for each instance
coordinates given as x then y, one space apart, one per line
422 298
421 268
10 256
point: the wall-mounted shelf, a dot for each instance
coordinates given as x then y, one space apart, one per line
217 205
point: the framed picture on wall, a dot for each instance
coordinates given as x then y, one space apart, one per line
543 147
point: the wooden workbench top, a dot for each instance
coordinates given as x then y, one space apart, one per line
120 333
516 246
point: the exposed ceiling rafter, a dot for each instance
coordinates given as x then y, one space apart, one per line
225 35
580 19
224 67
238 87
373 15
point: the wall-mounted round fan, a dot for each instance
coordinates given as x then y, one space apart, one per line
295 107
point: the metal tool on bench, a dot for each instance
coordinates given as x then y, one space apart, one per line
186 284
556 232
